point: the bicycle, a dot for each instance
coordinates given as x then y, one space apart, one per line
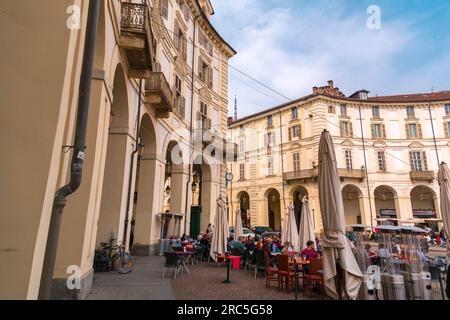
122 262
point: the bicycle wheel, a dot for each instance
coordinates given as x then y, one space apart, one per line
124 263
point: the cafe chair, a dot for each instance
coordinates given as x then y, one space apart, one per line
172 261
285 273
314 277
271 272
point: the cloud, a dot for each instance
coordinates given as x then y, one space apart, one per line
292 47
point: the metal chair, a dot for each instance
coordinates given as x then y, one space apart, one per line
172 261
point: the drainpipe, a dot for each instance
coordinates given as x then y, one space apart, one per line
76 169
191 126
133 155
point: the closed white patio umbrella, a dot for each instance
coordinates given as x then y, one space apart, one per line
342 275
290 231
444 188
221 231
306 231
238 231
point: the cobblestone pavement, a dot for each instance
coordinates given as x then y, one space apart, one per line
205 283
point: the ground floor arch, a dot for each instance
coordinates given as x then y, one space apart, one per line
273 204
352 197
424 202
201 208
298 194
243 200
386 199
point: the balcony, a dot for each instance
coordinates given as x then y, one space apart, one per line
422 176
135 37
359 174
313 174
159 95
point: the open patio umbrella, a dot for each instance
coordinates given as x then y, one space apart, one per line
238 231
290 231
306 231
444 188
220 234
342 275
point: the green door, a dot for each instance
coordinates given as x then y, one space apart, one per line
196 218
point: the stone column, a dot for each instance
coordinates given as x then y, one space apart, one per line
403 207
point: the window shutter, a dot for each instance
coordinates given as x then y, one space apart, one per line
184 47
200 68
183 107
446 133
383 130
265 140
342 128
408 134
350 129
373 131
411 161
210 77
199 116
176 35
208 123
290 133
165 8
419 131
424 161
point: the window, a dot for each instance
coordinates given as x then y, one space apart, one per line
203 114
447 109
270 139
270 121
348 159
376 112
180 103
204 109
346 129
381 161
241 147
242 171
418 161
447 131
410 113
296 161
205 43
270 167
343 110
241 130
164 8
378 131
331 109
294 113
413 131
180 41
295 131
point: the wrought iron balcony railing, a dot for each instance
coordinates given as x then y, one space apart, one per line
359 174
135 39
158 94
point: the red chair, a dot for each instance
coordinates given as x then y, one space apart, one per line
271 272
284 272
314 277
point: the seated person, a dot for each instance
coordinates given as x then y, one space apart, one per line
239 245
382 252
309 252
275 246
287 248
231 243
250 245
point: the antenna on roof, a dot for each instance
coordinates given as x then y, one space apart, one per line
235 109
432 89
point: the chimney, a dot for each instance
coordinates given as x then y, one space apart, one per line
230 120
315 90
330 84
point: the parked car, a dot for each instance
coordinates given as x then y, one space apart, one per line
270 234
260 230
247 232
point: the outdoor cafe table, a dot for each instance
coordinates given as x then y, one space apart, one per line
235 260
185 254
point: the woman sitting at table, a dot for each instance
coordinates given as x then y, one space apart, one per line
275 247
308 254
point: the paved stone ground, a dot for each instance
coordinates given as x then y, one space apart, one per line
205 283
144 283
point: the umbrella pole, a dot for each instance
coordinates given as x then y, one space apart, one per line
339 281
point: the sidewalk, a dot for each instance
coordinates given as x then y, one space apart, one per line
144 283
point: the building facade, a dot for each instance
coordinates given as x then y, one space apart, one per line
278 156
160 76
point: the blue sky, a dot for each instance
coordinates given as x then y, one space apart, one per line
293 45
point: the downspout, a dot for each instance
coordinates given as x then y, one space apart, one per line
133 156
76 168
190 128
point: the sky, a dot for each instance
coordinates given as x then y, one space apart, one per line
294 45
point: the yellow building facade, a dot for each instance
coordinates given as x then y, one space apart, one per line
163 53
278 156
